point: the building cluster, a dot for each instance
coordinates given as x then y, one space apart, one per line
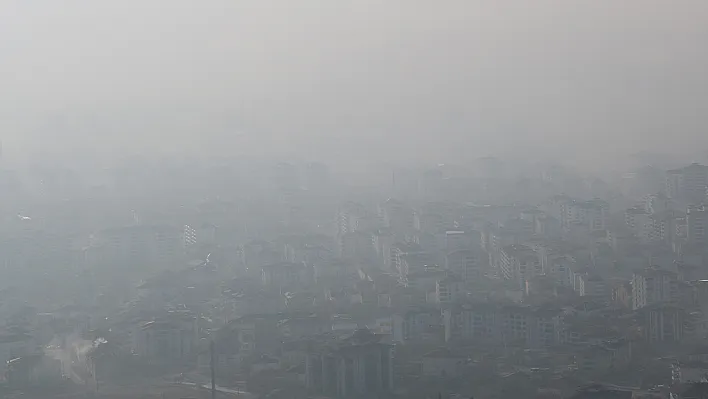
486 284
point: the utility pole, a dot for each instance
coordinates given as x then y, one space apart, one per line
213 369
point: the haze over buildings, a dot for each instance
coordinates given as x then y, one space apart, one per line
549 79
353 199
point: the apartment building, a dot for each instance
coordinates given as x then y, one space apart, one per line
450 289
687 183
201 234
654 286
519 263
664 323
595 287
467 264
593 214
352 217
418 325
697 224
502 324
356 366
638 220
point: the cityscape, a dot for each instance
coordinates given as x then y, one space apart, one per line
353 199
287 281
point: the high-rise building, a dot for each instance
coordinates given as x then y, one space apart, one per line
663 227
468 264
519 263
688 183
639 221
674 183
568 211
594 214
697 224
657 203
654 286
449 289
359 365
502 324
664 323
199 234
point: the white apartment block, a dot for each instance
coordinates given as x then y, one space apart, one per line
697 224
662 227
519 263
654 286
199 234
397 253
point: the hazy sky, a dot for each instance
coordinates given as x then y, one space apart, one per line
448 79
